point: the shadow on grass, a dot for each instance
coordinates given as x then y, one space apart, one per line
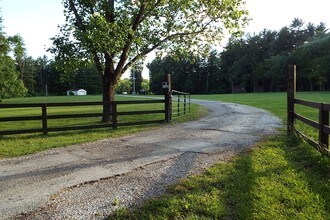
200 197
53 134
314 167
238 187
281 178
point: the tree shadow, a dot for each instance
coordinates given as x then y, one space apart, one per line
313 167
203 196
52 134
248 187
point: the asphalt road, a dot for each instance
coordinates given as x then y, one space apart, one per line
27 183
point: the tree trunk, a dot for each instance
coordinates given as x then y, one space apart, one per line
109 87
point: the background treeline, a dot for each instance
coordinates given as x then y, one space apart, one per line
253 63
22 75
135 84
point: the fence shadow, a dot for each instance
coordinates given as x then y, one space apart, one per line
311 164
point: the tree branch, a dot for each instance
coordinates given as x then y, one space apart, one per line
110 11
79 19
139 56
97 62
135 24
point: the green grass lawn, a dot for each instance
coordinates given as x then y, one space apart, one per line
17 145
280 178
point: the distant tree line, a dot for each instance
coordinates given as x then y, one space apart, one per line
22 75
189 73
135 83
253 63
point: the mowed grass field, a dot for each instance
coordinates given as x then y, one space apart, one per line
17 145
279 178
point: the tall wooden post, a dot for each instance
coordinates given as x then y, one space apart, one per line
114 114
291 95
167 89
44 118
179 104
189 103
184 104
323 120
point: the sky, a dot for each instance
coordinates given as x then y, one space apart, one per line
37 20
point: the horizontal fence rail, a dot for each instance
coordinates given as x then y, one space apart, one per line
322 145
182 106
322 125
44 117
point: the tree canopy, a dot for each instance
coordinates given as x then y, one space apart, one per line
117 34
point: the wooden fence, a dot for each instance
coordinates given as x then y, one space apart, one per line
322 125
45 117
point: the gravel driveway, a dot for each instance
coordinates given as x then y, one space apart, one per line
88 181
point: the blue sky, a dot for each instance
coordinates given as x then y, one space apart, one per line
37 20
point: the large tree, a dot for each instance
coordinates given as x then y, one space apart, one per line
117 34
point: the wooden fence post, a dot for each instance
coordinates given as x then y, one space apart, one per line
179 104
184 104
291 95
189 103
323 120
167 89
114 115
44 118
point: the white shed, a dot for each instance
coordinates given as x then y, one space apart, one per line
81 92
77 92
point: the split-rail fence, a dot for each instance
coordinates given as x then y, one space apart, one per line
44 117
322 125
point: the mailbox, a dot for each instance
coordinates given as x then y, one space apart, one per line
165 85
